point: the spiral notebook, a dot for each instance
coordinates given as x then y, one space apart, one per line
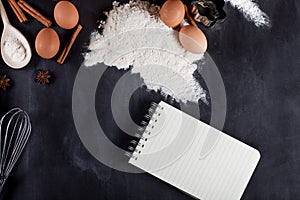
192 156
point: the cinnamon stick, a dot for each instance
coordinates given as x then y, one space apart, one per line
61 59
17 10
34 13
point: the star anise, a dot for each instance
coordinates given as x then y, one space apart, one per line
4 82
43 77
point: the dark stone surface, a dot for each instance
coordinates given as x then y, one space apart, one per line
261 73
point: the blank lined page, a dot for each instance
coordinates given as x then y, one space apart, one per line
172 152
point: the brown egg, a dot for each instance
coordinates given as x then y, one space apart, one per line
47 43
66 15
172 13
193 39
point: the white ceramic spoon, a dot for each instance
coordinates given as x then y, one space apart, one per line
11 32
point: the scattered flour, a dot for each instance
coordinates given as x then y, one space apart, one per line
251 11
133 35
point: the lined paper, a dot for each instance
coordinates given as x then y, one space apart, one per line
172 153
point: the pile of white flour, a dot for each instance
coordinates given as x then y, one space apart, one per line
133 35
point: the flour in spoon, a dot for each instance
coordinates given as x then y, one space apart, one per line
14 49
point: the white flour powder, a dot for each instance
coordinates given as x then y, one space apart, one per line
14 49
133 35
251 11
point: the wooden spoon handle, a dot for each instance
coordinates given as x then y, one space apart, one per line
3 14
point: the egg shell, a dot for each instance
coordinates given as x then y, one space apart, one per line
66 14
47 43
193 39
172 13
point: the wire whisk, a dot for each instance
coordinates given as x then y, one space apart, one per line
15 129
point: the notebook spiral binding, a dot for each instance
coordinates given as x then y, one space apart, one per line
138 144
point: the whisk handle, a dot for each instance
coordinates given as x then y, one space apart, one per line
2 181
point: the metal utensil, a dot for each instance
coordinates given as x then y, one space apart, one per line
15 129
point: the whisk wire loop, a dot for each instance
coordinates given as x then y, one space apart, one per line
15 129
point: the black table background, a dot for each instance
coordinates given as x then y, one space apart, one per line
261 73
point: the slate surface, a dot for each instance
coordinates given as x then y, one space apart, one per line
261 73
